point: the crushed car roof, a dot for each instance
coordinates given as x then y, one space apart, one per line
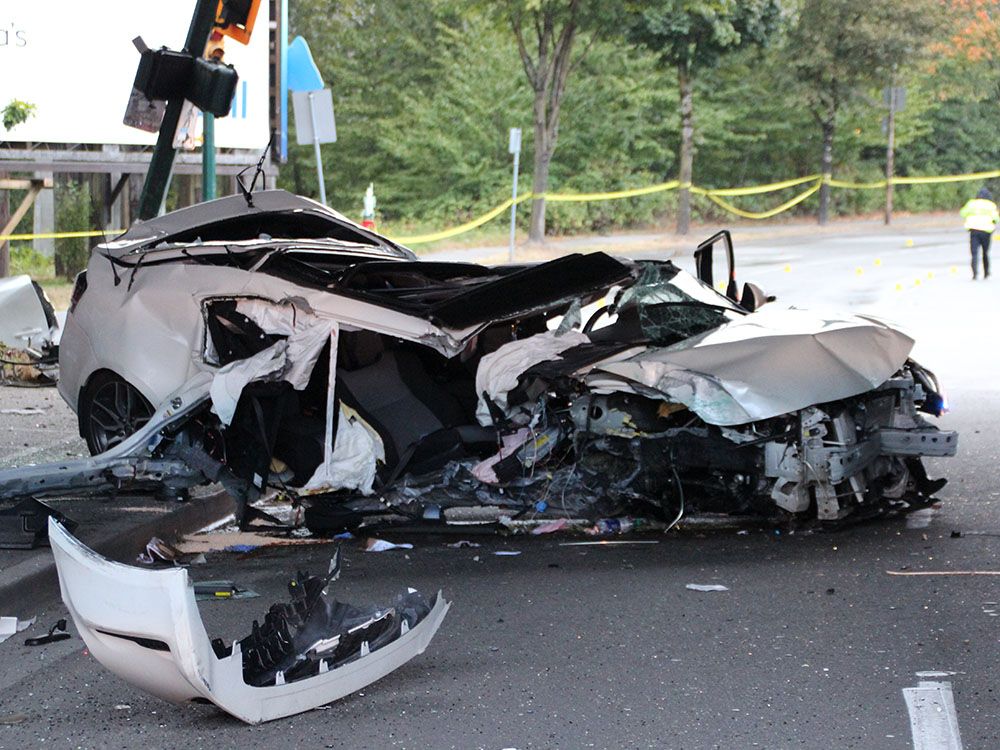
273 213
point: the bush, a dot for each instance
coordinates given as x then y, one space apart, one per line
72 215
25 259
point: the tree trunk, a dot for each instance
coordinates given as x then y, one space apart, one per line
827 170
4 217
540 172
687 149
547 74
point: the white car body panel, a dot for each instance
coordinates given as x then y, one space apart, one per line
23 323
763 365
148 318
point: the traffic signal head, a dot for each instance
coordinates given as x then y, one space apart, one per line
208 84
212 87
235 18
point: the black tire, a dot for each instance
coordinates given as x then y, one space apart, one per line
110 410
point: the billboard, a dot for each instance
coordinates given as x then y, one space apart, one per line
75 62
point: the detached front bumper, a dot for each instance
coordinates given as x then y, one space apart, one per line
144 626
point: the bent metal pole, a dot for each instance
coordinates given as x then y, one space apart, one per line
162 161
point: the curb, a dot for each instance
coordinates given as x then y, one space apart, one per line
40 583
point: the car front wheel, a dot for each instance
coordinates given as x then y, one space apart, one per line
110 410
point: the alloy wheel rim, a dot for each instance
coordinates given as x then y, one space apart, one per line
117 411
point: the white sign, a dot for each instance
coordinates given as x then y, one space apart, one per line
314 119
75 63
514 147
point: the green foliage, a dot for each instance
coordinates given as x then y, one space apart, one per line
448 145
72 215
836 48
25 259
695 33
434 140
749 131
618 131
16 112
371 55
426 90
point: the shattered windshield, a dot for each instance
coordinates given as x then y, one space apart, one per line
671 304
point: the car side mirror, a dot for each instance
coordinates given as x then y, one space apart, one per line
753 297
703 262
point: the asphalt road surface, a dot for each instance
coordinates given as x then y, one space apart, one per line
812 646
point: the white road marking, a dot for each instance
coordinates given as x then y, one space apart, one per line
933 720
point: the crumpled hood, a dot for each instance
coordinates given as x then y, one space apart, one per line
763 365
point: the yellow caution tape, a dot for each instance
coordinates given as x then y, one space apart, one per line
854 185
551 197
763 214
420 239
59 235
620 194
947 178
932 180
713 194
610 196
755 189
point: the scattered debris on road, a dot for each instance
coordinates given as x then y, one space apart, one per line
706 587
381 545
158 551
11 626
243 541
24 525
207 591
56 633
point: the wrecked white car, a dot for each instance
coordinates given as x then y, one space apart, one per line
266 341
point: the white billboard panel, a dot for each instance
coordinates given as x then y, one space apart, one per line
75 62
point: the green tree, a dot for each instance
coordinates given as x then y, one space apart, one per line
447 144
72 215
837 49
616 133
372 55
690 36
546 32
425 91
447 141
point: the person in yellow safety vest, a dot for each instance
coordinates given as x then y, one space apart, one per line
981 218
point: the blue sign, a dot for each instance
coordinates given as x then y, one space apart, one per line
303 75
